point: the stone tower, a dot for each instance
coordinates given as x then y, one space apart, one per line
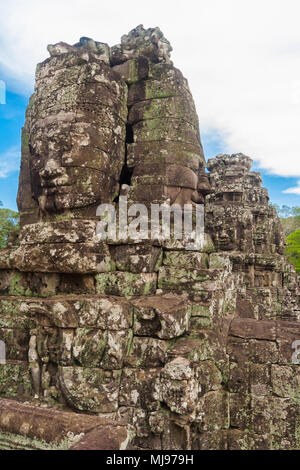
168 348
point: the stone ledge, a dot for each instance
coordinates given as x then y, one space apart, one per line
77 431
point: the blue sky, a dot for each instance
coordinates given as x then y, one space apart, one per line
242 61
12 116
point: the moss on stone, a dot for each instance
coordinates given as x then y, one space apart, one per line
16 442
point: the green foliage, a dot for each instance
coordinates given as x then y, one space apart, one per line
290 221
293 249
9 221
286 211
289 217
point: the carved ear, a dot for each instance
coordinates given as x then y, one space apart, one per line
173 192
204 186
197 197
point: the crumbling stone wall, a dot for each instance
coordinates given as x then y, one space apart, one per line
192 348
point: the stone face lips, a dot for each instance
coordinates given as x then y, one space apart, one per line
179 349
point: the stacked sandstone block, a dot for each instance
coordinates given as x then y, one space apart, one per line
190 348
262 380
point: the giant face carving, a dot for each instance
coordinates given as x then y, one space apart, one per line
77 130
69 170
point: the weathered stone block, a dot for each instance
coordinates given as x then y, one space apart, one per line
80 311
244 440
15 379
64 257
16 341
263 352
140 388
183 280
76 284
100 348
167 83
126 284
166 129
13 315
62 231
208 376
240 413
165 152
181 259
176 107
214 407
136 258
238 381
163 316
133 70
211 440
25 427
147 352
287 333
286 381
273 415
238 349
180 390
252 329
90 389
260 379
5 259
219 261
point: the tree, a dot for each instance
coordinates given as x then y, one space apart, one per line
285 212
289 217
296 215
293 249
9 221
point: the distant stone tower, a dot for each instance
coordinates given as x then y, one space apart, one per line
178 349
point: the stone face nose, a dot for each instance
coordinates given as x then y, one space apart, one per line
52 169
224 234
53 173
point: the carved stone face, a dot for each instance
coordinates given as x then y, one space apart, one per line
141 42
181 184
76 129
235 234
74 164
225 238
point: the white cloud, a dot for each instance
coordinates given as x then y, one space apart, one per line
242 60
294 190
9 161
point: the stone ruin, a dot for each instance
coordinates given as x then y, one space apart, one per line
140 344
